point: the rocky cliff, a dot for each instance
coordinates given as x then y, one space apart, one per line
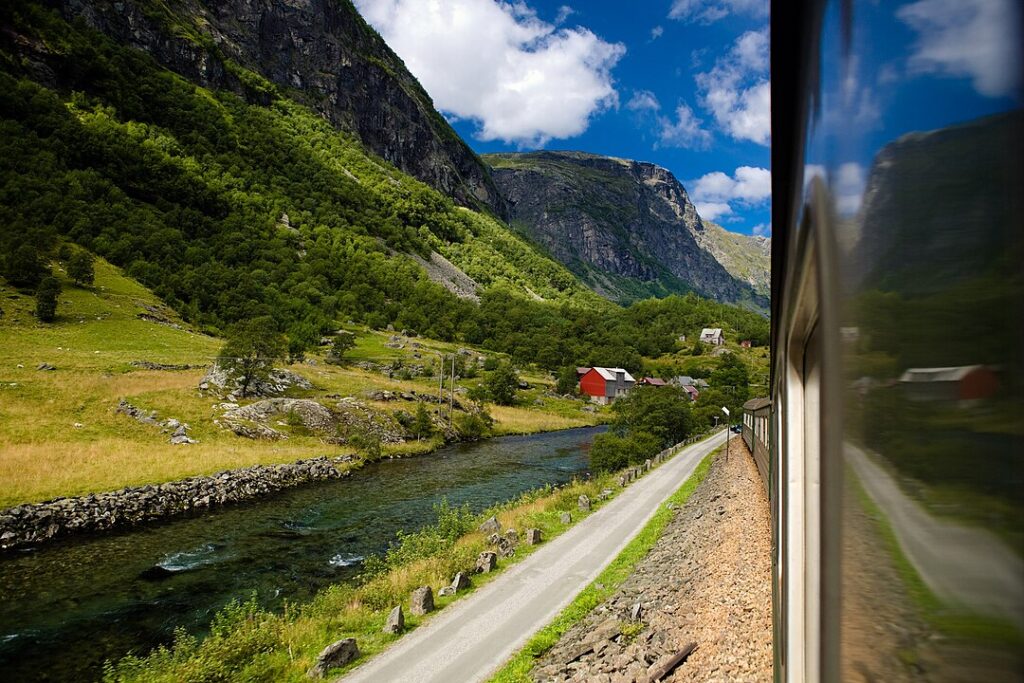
319 52
627 228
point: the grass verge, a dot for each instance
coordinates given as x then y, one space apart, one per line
518 668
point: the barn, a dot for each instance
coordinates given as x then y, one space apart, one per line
604 385
965 383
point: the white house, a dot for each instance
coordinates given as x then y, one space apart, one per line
712 335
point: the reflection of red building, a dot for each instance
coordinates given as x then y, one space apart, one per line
604 385
962 383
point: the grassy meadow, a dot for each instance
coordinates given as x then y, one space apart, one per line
60 434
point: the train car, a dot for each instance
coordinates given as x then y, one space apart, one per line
756 433
897 389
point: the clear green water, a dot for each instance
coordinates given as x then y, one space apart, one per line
66 608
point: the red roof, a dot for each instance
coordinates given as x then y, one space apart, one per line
653 381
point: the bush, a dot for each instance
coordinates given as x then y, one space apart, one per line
46 299
568 382
343 342
23 267
611 452
252 348
472 426
661 412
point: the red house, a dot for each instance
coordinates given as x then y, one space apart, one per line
651 382
604 385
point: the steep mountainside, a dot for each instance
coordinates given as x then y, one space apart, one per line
746 258
627 228
321 53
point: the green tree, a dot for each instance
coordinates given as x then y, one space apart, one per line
23 267
46 299
343 342
502 384
422 425
567 380
81 268
252 348
732 376
661 412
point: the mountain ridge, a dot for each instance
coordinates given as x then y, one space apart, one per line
628 228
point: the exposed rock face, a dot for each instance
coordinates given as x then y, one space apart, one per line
334 425
321 53
627 228
279 381
35 523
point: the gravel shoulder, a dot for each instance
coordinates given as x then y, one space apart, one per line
707 581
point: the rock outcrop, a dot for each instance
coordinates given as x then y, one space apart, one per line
321 53
627 228
279 380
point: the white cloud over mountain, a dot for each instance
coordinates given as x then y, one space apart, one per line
736 90
717 194
521 79
683 129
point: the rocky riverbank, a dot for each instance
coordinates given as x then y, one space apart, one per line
38 522
707 584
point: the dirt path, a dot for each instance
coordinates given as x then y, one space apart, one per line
708 581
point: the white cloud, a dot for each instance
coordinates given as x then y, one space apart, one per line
710 11
685 130
657 32
643 100
564 12
715 193
521 79
848 187
763 230
710 211
973 38
736 90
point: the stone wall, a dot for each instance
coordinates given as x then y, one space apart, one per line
39 522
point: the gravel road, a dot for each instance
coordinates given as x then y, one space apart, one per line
472 638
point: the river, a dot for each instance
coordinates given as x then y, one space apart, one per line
66 608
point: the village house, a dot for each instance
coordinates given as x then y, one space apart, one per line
604 385
652 382
745 344
712 335
687 384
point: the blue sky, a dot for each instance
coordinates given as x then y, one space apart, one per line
631 80
684 83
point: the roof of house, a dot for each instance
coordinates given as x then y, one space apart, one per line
611 373
953 374
703 383
654 381
711 332
757 403
684 380
582 371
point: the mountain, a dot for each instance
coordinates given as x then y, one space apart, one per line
319 52
627 228
746 258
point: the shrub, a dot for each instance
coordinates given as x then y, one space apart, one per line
46 299
502 384
80 268
252 348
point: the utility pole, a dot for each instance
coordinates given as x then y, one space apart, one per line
451 394
440 383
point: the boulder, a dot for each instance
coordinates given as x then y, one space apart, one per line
636 612
447 590
584 503
486 562
512 536
396 621
46 366
533 537
334 655
565 518
422 601
460 582
491 526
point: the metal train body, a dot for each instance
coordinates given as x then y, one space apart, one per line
892 444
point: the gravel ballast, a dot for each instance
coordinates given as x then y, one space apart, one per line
707 581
